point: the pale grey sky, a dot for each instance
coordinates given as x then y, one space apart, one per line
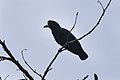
21 25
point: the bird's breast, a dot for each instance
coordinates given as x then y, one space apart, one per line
59 37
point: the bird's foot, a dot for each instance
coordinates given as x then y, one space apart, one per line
66 44
61 49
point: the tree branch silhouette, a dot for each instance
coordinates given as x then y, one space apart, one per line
98 22
2 58
49 66
74 22
59 51
34 71
5 77
62 48
12 59
85 77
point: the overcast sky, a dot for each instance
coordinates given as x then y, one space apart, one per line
21 25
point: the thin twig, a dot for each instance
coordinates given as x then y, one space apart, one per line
28 64
74 22
100 4
60 50
49 66
107 5
2 58
85 77
98 22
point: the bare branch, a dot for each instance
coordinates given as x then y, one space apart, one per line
75 22
59 51
49 66
6 77
62 48
14 60
2 58
100 4
85 77
107 5
6 49
104 10
28 64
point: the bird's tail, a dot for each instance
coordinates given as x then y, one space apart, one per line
83 55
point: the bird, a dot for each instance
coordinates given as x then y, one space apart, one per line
62 35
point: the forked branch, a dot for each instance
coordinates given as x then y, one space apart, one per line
62 48
34 71
12 58
98 22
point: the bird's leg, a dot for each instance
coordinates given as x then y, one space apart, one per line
61 49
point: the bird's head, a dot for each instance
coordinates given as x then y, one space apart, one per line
52 24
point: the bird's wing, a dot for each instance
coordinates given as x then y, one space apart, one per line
73 47
66 33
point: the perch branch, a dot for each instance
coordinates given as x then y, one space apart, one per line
49 66
60 50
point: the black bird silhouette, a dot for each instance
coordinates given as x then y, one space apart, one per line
61 37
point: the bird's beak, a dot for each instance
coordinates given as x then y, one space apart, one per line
46 26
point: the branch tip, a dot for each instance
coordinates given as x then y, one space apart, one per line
101 4
77 13
74 23
29 65
6 77
85 77
50 69
23 51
